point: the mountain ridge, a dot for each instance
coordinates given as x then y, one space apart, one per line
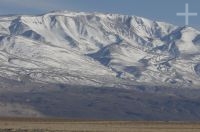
98 49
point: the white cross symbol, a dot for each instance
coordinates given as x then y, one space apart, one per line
187 14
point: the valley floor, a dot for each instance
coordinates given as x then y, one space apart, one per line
51 125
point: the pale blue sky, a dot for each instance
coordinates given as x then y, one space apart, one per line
161 10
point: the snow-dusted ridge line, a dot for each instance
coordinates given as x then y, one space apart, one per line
98 49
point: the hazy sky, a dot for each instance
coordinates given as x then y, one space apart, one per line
161 10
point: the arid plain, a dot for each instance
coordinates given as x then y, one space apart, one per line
59 125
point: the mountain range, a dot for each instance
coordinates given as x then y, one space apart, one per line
95 49
64 48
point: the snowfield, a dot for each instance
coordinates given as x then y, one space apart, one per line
98 49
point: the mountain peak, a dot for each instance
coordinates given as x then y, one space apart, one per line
98 48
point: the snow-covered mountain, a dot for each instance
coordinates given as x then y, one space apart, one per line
98 49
